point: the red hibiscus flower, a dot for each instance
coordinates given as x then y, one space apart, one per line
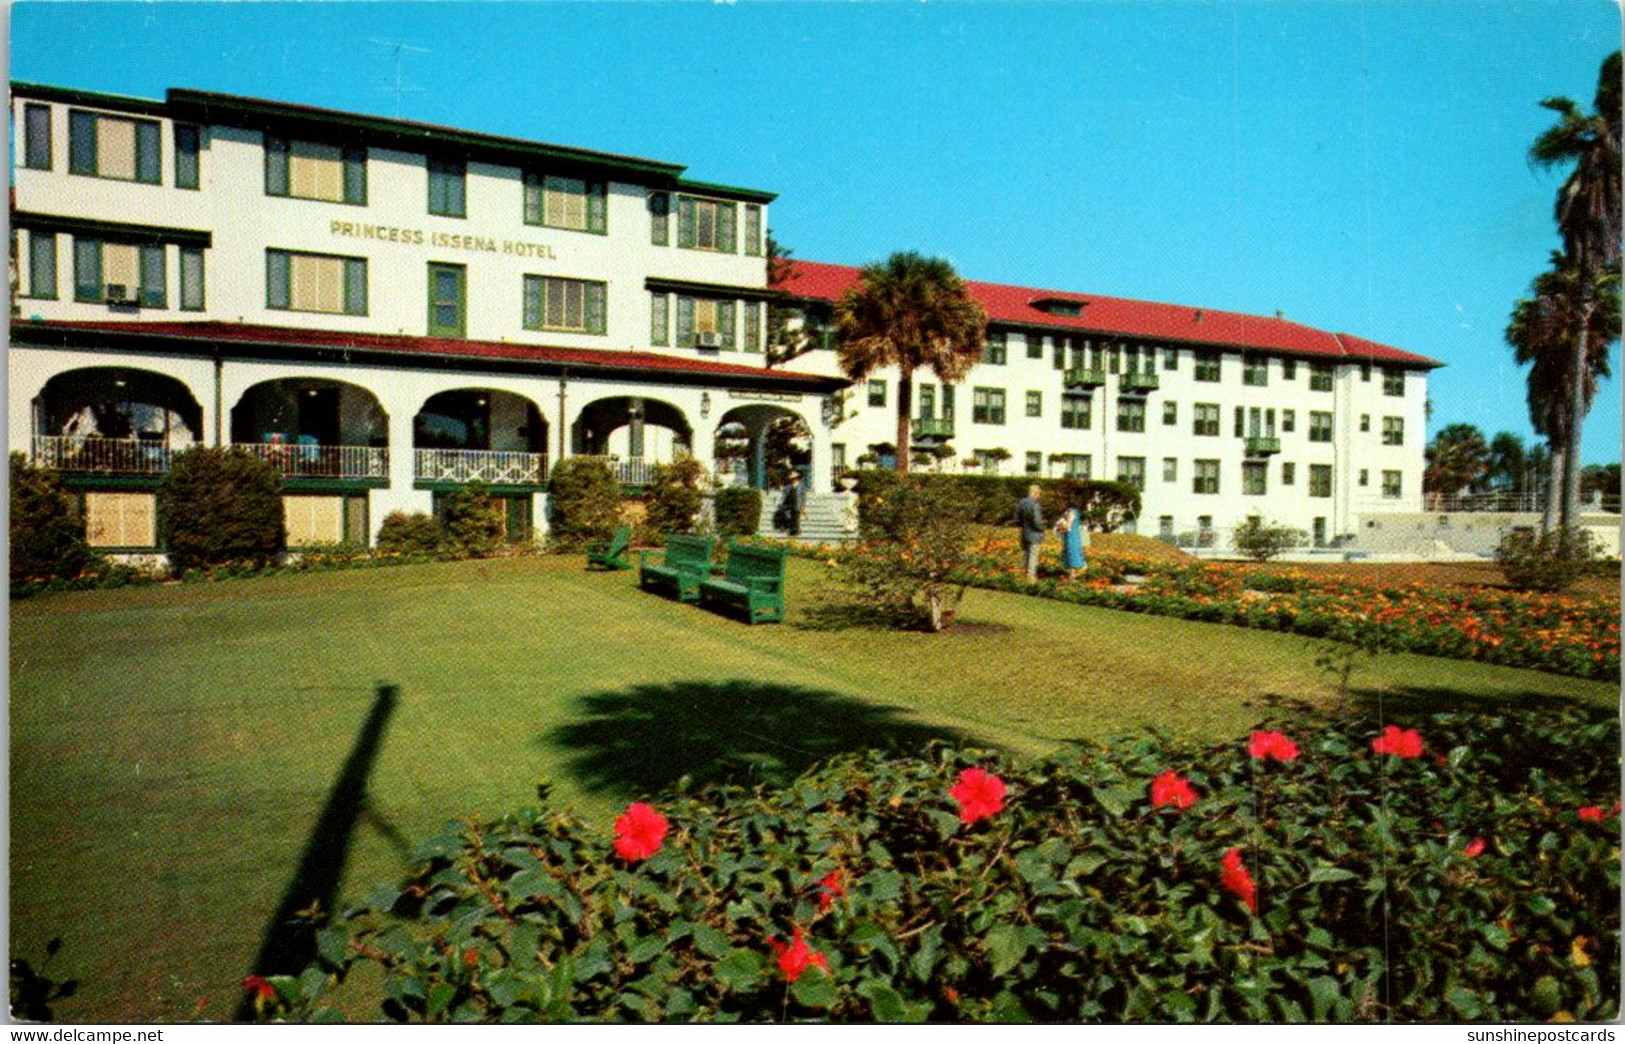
1593 814
979 793
639 832
1171 788
796 957
1238 881
1474 849
1401 743
471 957
830 888
259 987
1266 745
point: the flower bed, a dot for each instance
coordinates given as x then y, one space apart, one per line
1460 869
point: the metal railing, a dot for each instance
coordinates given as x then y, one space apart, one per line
493 467
1084 377
1262 445
1465 502
933 427
94 453
1144 381
315 461
628 471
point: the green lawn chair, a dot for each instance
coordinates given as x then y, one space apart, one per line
611 553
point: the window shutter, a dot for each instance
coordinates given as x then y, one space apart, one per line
355 286
753 230
1240 422
276 166
355 175
532 318
658 323
685 322
87 269
533 199
727 214
685 222
597 208
597 293
81 143
154 278
192 279
659 218
187 147
753 326
725 323
37 133
148 154
42 264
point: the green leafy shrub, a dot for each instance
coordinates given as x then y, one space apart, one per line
738 512
1261 542
220 505
1549 561
474 523
674 497
584 501
1105 505
47 540
1350 872
915 540
414 533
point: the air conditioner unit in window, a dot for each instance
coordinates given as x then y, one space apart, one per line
708 340
117 293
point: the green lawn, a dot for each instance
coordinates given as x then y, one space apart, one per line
174 748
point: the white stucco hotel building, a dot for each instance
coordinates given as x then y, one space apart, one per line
385 310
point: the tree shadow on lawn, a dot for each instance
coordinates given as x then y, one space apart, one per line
1410 701
646 738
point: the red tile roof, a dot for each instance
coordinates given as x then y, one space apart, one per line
585 358
1124 317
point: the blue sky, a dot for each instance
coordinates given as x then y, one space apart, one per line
1358 166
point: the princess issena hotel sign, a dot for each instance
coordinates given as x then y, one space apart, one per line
441 240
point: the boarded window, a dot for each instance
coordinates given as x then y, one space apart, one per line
313 520
316 171
121 519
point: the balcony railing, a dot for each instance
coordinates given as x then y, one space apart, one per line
96 454
328 462
1262 445
1085 377
628 471
493 467
933 427
1139 382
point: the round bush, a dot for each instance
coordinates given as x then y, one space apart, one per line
674 497
218 506
738 511
473 521
1550 561
47 541
584 501
410 534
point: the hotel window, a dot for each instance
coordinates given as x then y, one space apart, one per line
927 401
705 322
187 148
192 279
753 326
37 137
571 203
1170 412
1320 480
1130 414
1035 346
1365 372
1289 369
1206 479
660 319
42 265
1393 431
121 519
660 218
1241 422
753 230
123 273
994 350
1365 477
569 305
1058 351
877 392
1073 465
1165 527
987 406
1320 377
114 147
1112 353
1289 473
1170 469
1255 370
1131 472
1253 477
1320 426
1035 462
1289 420
1077 411
448 180
1392 487
1207 366
1035 404
947 402
1170 359
1393 381
1365 422
448 300
1206 421
315 283
311 170
706 224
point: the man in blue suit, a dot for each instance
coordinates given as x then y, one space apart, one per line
1030 517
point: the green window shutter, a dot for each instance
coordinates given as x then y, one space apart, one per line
533 199
192 279
81 143
1241 421
87 269
187 148
37 137
597 295
685 222
753 326
154 276
149 157
355 286
276 166
659 218
533 302
685 322
278 276
753 230
42 264
597 208
355 175
725 323
727 217
659 319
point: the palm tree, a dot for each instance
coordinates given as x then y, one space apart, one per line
1507 462
1588 217
909 312
1457 460
1543 332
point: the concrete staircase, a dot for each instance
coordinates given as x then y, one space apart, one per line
824 521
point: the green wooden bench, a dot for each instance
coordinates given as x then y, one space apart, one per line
685 562
611 553
754 579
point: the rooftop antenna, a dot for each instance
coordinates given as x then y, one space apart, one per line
398 47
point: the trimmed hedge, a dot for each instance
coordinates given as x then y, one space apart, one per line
738 512
218 506
1106 505
47 540
585 502
1348 871
674 499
